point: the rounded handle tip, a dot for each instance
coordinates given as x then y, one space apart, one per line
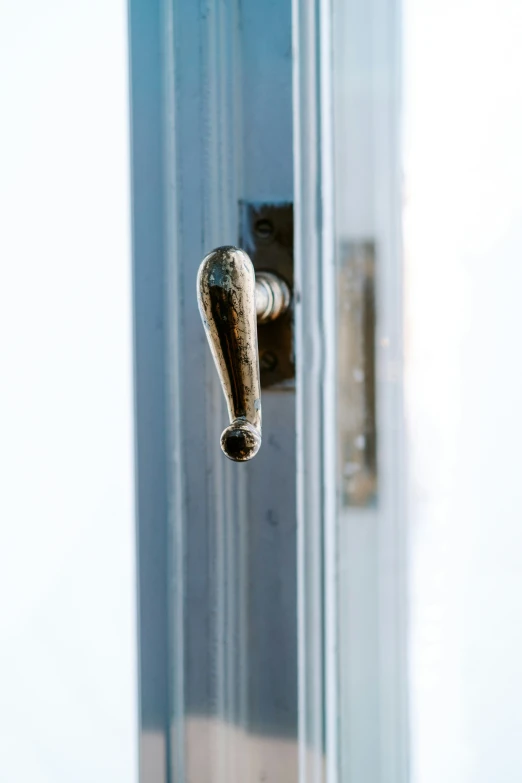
240 441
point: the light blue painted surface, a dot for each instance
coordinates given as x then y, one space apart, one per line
211 124
266 68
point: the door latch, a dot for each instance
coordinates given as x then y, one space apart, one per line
232 300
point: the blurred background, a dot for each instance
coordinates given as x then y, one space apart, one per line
68 655
68 638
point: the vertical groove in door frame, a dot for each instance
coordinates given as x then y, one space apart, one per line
149 261
331 608
315 354
174 451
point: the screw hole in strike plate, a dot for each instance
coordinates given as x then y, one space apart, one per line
264 229
267 361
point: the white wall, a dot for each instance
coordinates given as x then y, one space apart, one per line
67 585
463 230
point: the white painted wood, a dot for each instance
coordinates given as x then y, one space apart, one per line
371 541
68 685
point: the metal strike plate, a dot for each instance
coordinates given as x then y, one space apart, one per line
356 383
267 234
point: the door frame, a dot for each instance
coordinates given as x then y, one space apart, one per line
234 100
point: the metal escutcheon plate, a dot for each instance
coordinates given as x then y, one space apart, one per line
267 234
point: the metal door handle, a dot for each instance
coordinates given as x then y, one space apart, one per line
231 300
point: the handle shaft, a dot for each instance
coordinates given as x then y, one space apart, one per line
227 303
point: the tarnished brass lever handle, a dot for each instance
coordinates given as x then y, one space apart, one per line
231 302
